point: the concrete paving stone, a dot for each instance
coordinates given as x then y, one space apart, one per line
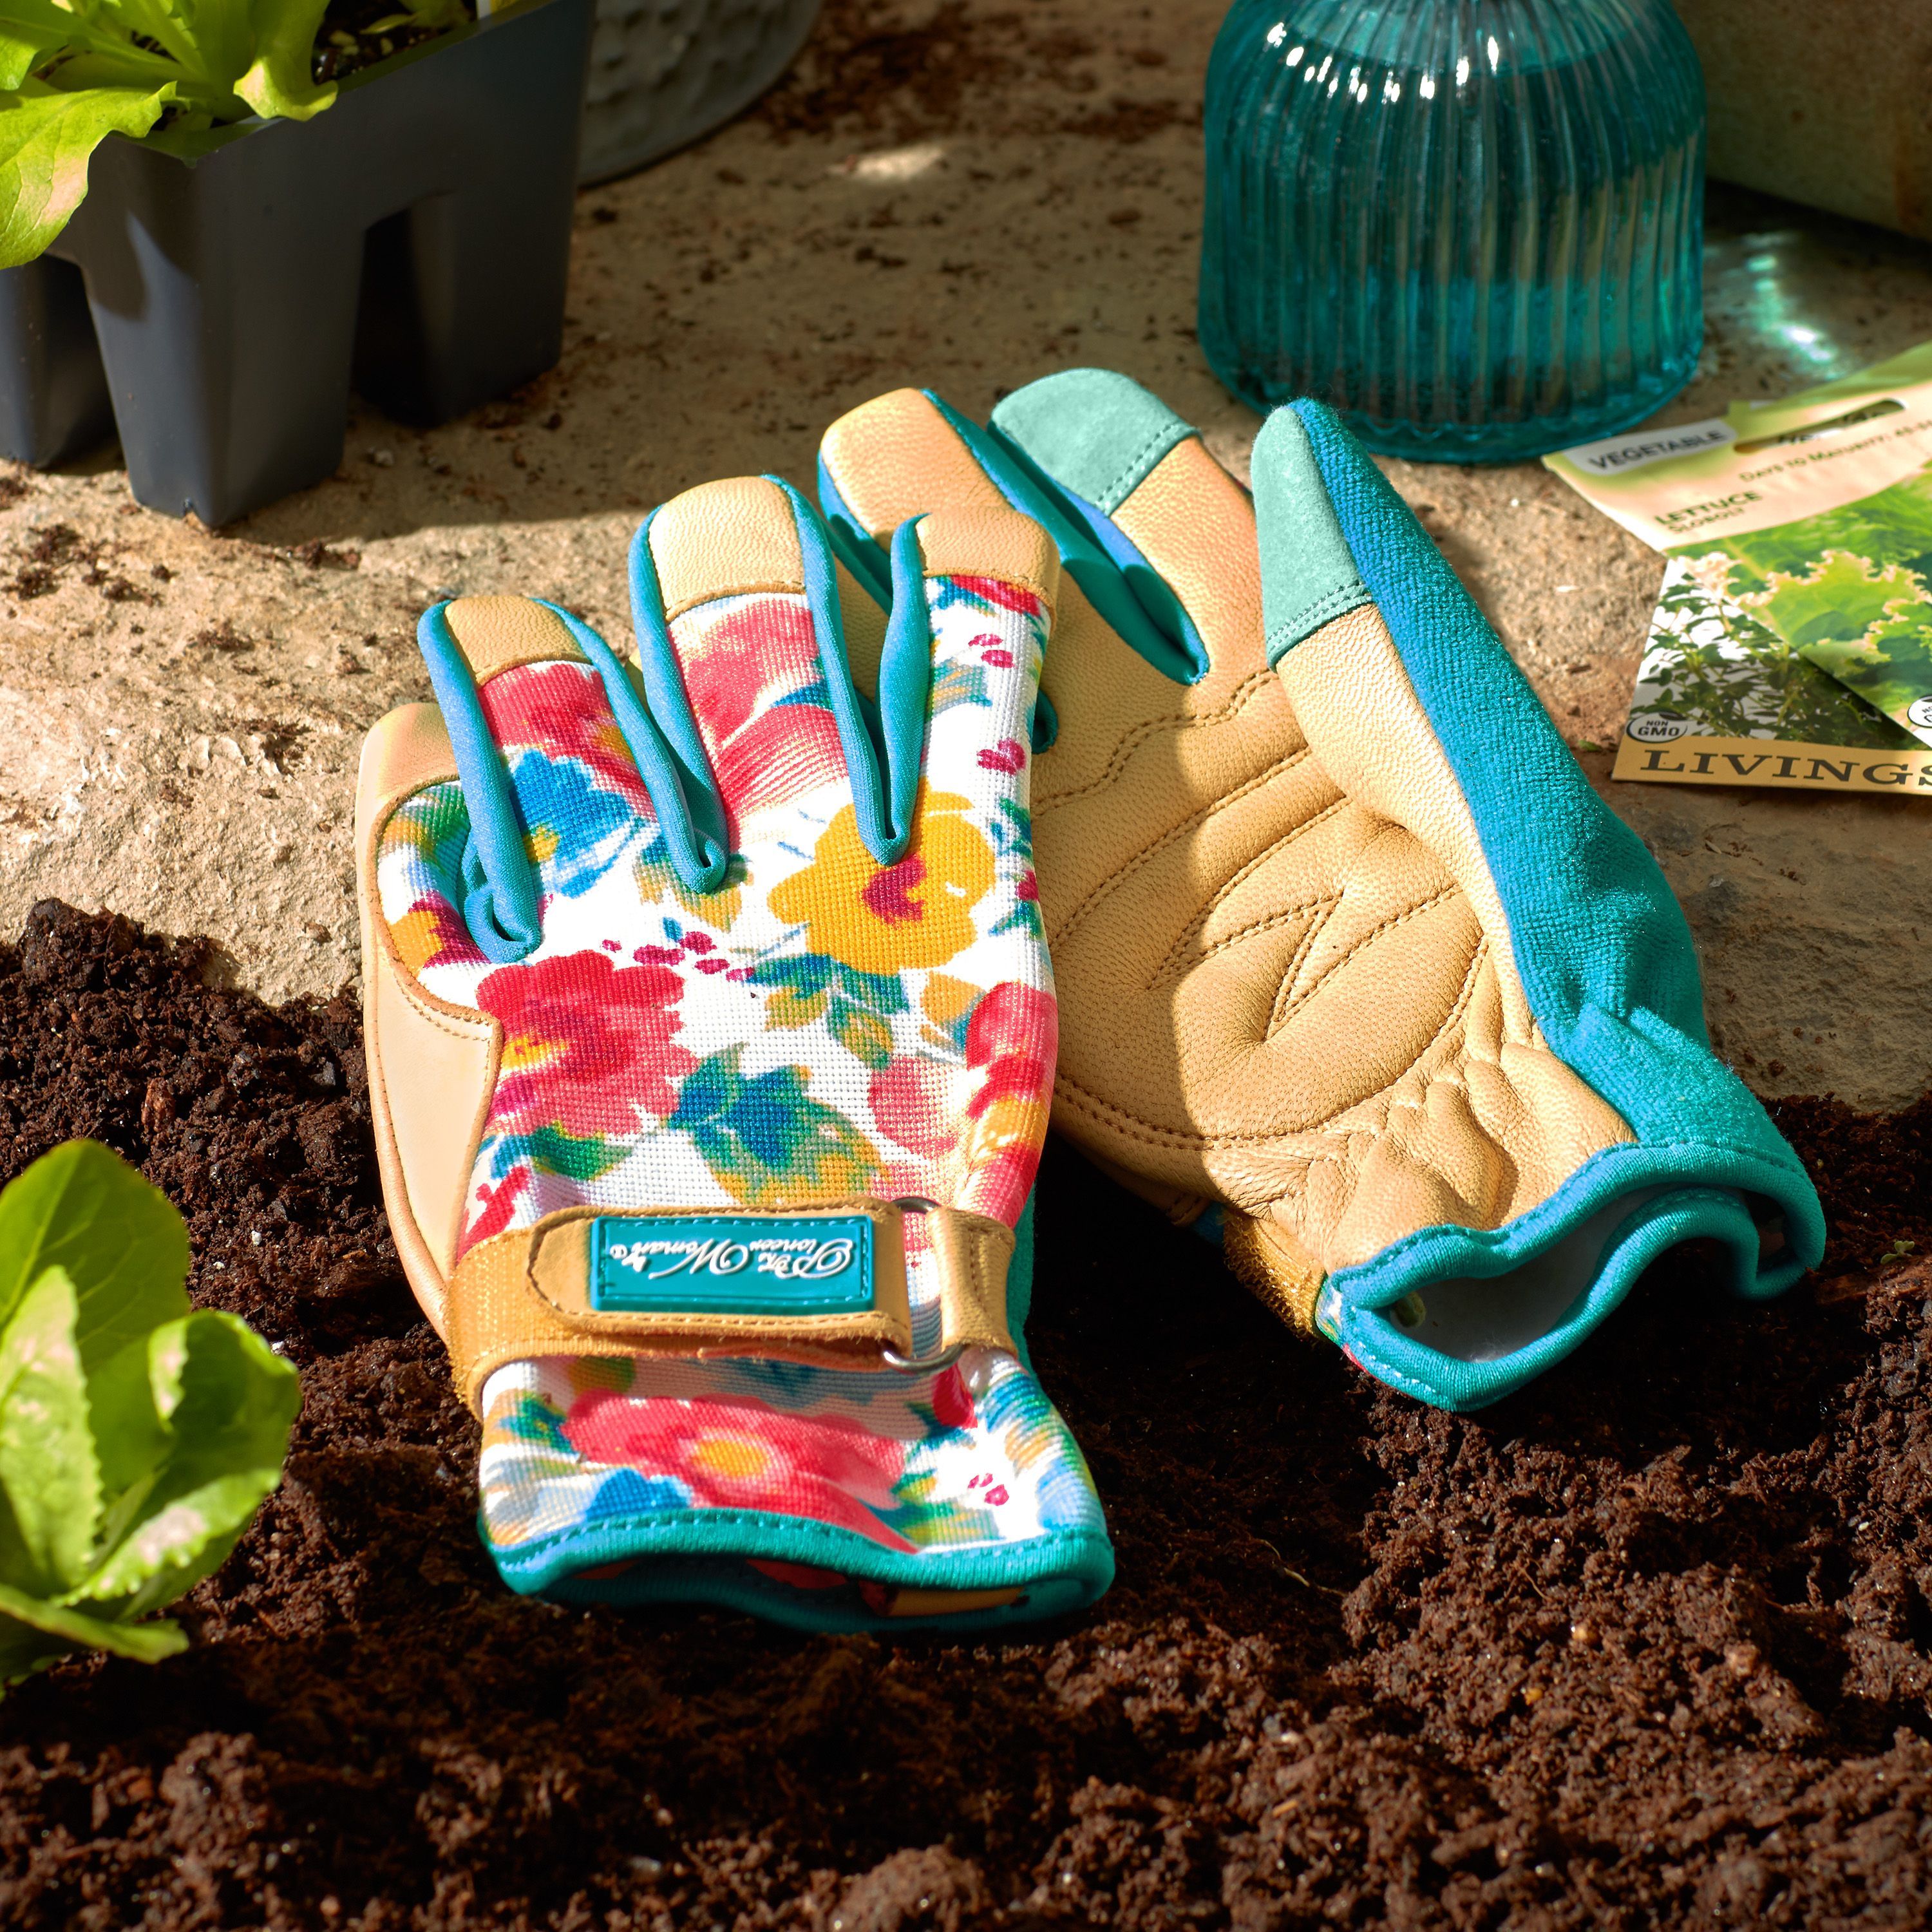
966 197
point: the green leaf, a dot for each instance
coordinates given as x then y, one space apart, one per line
46 136
33 1632
31 32
131 1431
1843 597
279 81
237 1401
580 1156
47 1464
121 1241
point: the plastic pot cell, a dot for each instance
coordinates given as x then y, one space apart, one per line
216 303
663 72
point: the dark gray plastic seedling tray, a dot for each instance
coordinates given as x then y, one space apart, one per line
414 239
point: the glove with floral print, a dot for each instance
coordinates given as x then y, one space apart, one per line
711 1036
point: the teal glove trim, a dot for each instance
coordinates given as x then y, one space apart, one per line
905 692
1699 1199
501 899
1094 432
1019 1281
894 737
699 851
1313 581
1059 1571
502 905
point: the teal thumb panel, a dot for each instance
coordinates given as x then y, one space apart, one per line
1309 575
1093 432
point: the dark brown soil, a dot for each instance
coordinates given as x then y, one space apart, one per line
901 68
355 18
1649 1644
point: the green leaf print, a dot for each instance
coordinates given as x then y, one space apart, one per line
957 682
878 992
766 1139
800 988
580 1157
866 1035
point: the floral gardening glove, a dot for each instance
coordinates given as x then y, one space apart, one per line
1356 971
711 1040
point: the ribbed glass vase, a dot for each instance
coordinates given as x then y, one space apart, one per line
1473 227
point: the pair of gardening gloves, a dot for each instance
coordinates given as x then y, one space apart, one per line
713 1036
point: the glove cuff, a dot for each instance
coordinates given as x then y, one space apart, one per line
822 1284
1460 1318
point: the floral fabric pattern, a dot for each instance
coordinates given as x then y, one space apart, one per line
822 1026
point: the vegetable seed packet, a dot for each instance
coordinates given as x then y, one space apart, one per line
1792 643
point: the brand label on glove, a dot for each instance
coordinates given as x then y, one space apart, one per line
725 1264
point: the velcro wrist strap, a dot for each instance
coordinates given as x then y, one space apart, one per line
823 1285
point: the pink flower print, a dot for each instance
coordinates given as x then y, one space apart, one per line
589 1047
1008 755
745 1454
1013 1034
432 933
1004 595
736 674
909 1100
992 650
562 709
498 1205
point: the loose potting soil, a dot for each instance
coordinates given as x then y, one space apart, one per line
1651 1644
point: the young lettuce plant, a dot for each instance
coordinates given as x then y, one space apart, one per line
72 72
137 1437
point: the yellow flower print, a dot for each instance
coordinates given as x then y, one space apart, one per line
887 918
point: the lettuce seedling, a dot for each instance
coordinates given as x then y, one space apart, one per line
137 1437
72 72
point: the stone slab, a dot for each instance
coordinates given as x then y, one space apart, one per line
965 197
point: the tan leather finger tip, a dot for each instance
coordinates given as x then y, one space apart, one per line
897 457
723 539
986 541
499 633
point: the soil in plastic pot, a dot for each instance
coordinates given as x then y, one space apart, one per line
1650 1644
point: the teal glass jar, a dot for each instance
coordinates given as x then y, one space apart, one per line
1474 227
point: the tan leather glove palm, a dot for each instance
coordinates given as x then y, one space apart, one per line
1347 948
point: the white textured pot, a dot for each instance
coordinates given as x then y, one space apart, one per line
663 72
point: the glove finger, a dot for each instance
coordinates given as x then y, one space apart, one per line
1138 480
1191 602
751 642
557 761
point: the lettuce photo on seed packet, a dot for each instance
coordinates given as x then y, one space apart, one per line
1792 643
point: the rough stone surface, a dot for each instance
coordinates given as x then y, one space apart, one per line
964 196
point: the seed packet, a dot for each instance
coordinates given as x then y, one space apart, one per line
1792 643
